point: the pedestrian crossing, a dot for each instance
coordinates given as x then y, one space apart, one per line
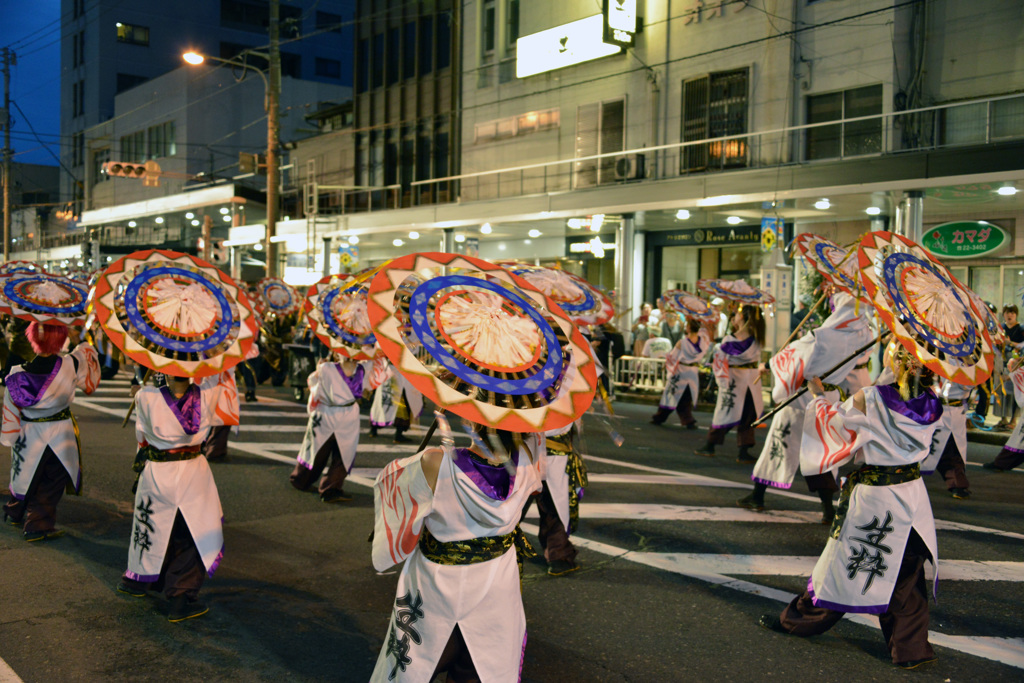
734 571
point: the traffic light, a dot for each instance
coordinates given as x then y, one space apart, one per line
219 255
149 171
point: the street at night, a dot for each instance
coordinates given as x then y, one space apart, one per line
673 575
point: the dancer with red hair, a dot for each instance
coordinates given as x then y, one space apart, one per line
41 431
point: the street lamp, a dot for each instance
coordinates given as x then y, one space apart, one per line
272 92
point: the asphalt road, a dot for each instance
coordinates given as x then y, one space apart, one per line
674 575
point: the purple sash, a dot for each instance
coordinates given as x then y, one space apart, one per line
186 409
735 348
493 480
923 409
355 382
26 388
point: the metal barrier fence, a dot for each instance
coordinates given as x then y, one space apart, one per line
636 374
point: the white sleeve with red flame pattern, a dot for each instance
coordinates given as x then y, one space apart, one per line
88 375
401 501
788 368
720 365
12 421
827 443
1017 377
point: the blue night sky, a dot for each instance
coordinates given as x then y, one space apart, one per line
32 29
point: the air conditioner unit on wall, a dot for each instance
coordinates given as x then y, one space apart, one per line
629 167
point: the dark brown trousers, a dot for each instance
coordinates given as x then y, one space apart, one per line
951 467
183 572
904 623
1007 460
216 445
684 410
38 510
328 456
553 537
455 661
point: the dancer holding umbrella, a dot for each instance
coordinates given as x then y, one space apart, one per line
563 472
884 531
812 355
683 361
335 308
736 363
180 316
37 420
503 357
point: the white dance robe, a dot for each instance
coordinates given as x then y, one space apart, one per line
812 355
29 440
389 388
87 376
952 425
857 570
333 411
1015 442
483 599
222 394
683 371
735 383
165 488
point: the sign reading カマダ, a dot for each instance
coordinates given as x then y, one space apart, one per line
966 239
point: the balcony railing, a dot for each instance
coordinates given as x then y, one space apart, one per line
974 122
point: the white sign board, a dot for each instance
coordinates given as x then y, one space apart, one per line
562 46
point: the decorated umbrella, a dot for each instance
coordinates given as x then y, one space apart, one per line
174 313
276 296
737 290
20 268
992 324
583 302
500 352
336 310
689 305
929 312
835 264
43 297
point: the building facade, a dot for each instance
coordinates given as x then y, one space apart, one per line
672 146
110 47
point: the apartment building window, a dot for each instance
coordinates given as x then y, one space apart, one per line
377 67
715 106
363 65
409 50
488 27
426 45
444 40
600 129
100 157
511 24
978 123
160 139
254 16
77 149
328 68
327 21
78 49
393 63
133 147
512 126
77 98
78 9
845 139
132 34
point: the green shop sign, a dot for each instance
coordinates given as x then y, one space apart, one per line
965 239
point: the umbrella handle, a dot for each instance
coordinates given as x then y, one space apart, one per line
131 408
803 389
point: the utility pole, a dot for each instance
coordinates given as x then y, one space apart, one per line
8 58
207 237
273 135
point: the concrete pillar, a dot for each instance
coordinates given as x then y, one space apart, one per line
327 256
914 209
624 267
448 242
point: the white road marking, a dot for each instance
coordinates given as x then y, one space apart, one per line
663 479
7 674
1008 651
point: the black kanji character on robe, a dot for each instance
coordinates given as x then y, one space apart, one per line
862 559
143 525
408 610
779 445
16 456
729 398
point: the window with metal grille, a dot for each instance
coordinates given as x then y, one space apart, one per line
600 129
846 138
715 106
